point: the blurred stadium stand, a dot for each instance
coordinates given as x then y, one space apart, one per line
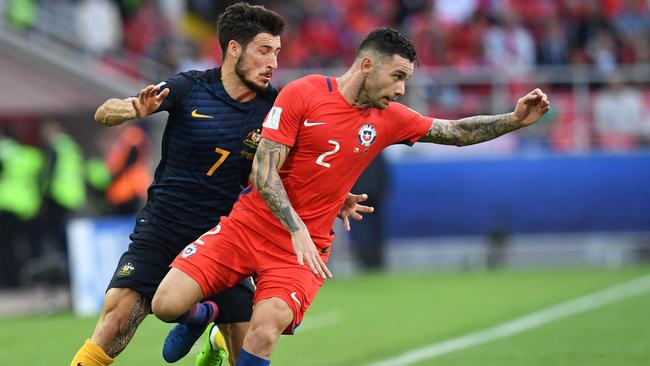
572 189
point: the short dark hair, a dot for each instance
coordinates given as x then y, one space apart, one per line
388 42
241 22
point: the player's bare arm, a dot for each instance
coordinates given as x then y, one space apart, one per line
116 111
473 130
269 158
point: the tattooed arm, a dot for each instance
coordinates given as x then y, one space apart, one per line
269 158
472 130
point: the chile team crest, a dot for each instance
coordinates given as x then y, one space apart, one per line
367 135
189 251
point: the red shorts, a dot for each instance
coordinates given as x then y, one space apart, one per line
231 251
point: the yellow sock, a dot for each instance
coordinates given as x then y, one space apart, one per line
91 355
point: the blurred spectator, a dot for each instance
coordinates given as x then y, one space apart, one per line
554 44
618 114
509 46
20 201
128 162
367 236
99 26
22 13
603 53
64 192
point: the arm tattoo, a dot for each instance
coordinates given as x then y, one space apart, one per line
470 130
269 158
140 310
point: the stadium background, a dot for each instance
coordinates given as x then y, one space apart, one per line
474 237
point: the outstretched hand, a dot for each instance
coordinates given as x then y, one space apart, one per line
530 108
149 100
352 208
306 252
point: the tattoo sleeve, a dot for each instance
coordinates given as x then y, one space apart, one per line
140 310
470 130
269 158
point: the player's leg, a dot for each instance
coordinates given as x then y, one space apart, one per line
270 318
200 269
235 310
124 310
126 303
234 333
285 290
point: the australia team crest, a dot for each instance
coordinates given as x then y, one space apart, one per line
367 135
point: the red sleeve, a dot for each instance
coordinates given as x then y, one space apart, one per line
406 125
282 122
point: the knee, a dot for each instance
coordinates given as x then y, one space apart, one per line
263 335
112 323
165 307
265 330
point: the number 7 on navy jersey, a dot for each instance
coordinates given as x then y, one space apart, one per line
222 158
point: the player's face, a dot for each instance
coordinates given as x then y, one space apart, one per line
257 61
387 80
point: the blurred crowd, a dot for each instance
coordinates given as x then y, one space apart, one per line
513 35
46 178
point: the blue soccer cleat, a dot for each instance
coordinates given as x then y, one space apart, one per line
181 338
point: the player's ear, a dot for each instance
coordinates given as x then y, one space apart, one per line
366 65
234 48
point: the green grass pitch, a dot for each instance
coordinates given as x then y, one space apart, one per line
357 321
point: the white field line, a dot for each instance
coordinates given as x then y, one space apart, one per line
519 325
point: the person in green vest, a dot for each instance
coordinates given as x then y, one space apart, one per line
64 186
20 200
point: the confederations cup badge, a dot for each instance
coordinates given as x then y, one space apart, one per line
367 135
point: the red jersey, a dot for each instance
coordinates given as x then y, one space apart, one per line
331 143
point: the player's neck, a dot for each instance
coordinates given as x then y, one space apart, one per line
350 85
234 86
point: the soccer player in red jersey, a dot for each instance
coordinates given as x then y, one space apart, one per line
317 139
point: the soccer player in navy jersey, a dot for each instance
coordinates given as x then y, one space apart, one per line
209 142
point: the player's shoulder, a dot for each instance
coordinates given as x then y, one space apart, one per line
197 76
399 108
310 83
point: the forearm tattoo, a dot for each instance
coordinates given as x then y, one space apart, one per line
470 130
269 157
141 309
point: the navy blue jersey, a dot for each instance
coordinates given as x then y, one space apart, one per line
207 151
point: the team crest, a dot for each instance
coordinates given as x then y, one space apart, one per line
126 270
189 251
367 135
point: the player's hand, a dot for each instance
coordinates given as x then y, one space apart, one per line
352 208
149 100
530 108
307 253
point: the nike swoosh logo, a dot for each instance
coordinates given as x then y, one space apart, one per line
295 298
309 124
196 114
